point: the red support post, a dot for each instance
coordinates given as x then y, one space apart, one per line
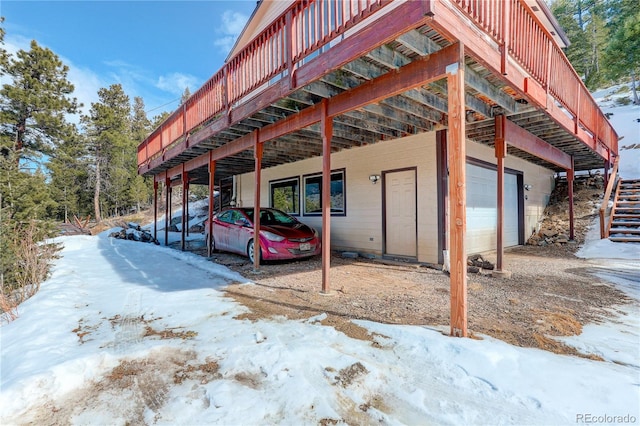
501 152
212 172
257 151
570 176
167 209
155 209
607 163
187 197
184 219
457 195
326 124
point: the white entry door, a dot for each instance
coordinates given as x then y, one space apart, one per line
400 213
482 209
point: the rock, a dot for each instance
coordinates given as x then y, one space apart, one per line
548 232
349 255
367 255
473 269
487 265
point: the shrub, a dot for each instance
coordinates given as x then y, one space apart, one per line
25 260
623 101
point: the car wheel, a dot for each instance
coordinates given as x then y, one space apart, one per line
250 252
209 243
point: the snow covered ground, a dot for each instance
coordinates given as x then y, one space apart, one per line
62 356
126 332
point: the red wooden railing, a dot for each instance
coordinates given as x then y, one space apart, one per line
513 25
309 25
604 227
300 31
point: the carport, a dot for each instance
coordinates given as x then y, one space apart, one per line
321 78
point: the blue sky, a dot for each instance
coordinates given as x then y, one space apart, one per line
153 48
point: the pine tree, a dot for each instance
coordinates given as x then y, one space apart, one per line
34 104
69 177
185 95
140 189
107 132
622 56
584 23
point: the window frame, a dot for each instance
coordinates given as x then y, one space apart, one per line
343 173
281 183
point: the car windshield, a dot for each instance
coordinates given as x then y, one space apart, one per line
271 217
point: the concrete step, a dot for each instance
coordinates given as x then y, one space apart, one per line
624 231
625 239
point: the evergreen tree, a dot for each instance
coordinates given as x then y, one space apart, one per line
584 23
34 104
622 56
69 178
140 189
185 95
108 133
3 52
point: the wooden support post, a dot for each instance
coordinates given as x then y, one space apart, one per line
212 172
167 209
257 152
457 195
326 124
187 198
183 217
570 176
606 169
443 194
155 209
501 153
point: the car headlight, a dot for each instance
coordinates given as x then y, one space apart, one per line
315 233
271 236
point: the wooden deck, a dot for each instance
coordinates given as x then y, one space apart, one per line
275 85
329 75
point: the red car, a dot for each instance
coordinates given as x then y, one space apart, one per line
281 236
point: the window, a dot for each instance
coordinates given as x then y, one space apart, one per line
313 194
285 195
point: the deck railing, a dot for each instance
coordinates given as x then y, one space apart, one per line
513 25
604 227
309 25
300 31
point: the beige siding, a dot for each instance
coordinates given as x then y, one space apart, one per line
361 229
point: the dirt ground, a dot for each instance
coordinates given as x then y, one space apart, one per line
548 295
551 292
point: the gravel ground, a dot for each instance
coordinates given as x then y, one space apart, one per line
550 294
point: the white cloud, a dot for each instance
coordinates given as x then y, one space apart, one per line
176 82
233 22
135 80
232 25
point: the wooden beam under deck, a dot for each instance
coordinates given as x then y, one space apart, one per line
417 73
312 101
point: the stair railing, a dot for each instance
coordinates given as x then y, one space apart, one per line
604 229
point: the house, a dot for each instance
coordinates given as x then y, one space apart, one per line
403 128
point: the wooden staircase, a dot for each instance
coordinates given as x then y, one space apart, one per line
624 225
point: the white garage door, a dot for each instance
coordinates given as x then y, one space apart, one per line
482 213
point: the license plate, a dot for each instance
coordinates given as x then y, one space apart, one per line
305 246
